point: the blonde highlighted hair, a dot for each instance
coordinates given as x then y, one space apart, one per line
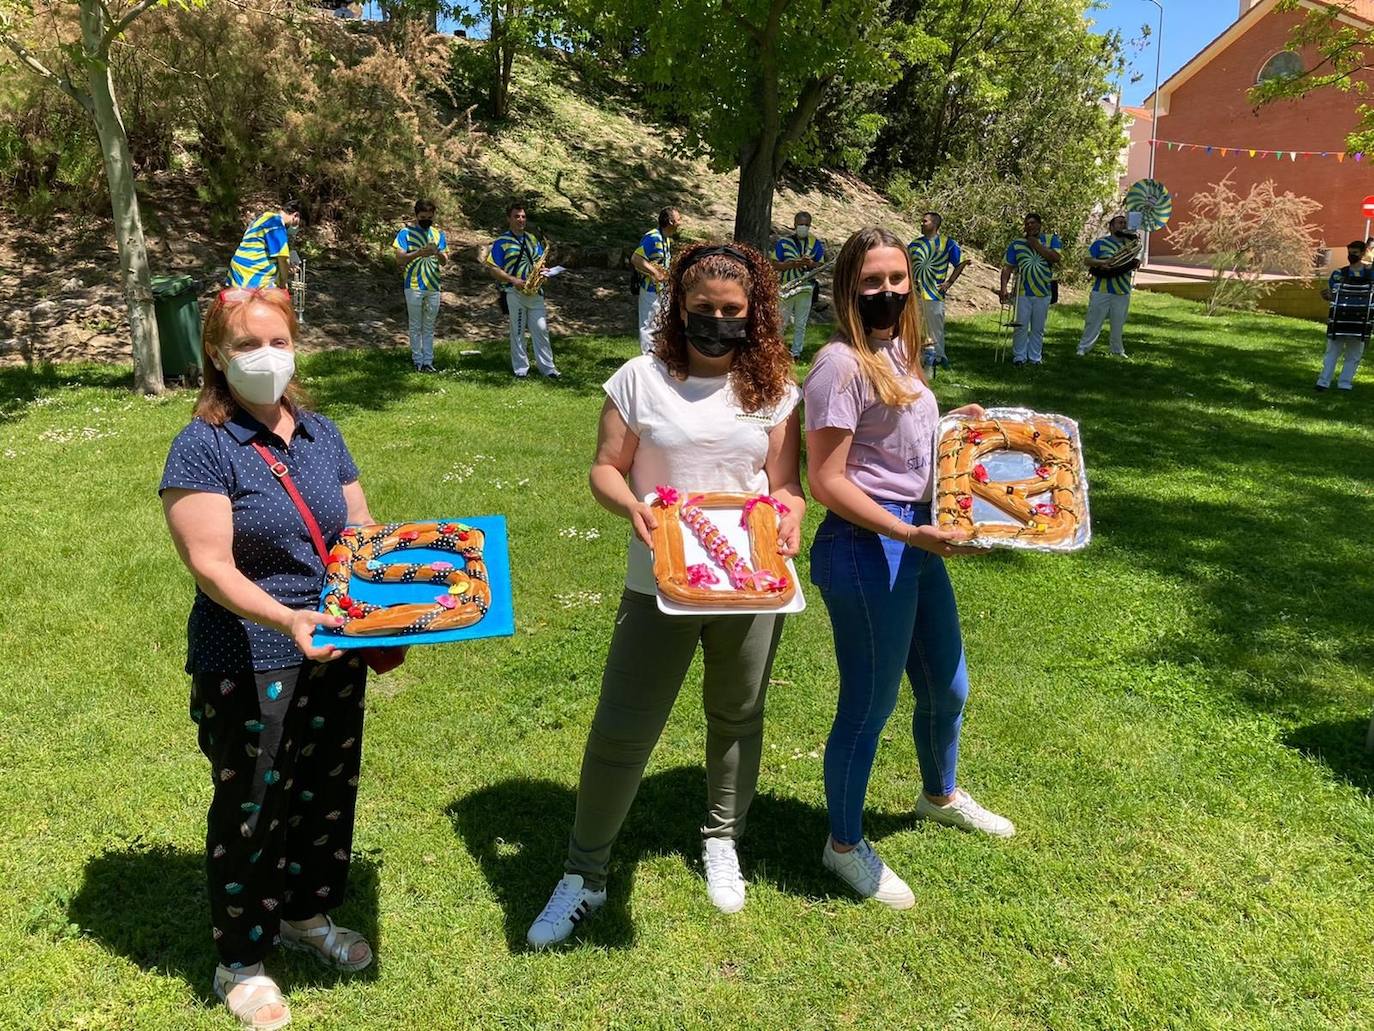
910 329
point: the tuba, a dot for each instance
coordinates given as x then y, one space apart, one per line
1124 260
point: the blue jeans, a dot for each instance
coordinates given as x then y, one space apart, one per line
892 609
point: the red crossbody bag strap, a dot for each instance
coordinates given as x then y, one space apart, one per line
279 471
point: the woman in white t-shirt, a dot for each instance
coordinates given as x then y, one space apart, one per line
712 409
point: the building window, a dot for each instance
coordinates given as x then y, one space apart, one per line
1284 65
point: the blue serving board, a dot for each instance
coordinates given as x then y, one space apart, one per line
498 622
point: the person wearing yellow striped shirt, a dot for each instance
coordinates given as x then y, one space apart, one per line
793 257
651 260
510 262
1032 257
264 254
936 264
1110 297
420 248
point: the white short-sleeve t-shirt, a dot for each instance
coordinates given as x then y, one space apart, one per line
693 435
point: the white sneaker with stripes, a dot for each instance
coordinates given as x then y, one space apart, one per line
571 903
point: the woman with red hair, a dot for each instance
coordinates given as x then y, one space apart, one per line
711 409
279 719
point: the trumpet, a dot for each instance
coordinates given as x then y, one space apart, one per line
298 289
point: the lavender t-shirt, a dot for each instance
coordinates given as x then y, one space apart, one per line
890 455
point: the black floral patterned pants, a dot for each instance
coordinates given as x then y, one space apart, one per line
285 748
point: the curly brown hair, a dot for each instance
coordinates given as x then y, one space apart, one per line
762 369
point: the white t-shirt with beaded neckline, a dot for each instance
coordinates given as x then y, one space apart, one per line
693 435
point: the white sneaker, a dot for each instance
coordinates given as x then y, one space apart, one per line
863 871
966 814
724 882
570 903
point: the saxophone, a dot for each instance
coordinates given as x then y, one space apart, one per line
534 282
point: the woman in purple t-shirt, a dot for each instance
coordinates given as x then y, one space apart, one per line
878 559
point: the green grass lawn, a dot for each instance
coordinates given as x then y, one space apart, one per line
1174 718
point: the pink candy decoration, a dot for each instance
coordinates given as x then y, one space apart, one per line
441 566
667 495
762 499
763 580
446 601
700 575
980 473
1045 509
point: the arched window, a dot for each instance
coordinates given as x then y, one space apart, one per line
1284 65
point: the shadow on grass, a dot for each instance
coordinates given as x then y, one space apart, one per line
148 904
21 384
1339 745
518 832
375 380
1216 466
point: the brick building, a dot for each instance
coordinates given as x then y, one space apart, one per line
1205 102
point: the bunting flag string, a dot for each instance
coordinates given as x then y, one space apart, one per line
1255 152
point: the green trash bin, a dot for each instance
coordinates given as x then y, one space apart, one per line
175 300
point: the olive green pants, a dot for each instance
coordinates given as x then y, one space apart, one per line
649 657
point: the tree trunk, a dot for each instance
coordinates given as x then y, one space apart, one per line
754 201
135 277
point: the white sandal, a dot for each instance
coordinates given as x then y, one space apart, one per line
329 942
263 991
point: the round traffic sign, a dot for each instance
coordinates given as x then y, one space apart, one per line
1367 207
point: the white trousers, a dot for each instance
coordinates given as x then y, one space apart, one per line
1354 351
933 314
796 310
1029 341
422 306
648 311
1101 306
527 315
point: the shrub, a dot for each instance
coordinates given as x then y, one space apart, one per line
1245 236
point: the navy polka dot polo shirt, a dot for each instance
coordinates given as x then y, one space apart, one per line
272 547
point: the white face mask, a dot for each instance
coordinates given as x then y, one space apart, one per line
261 375
802 230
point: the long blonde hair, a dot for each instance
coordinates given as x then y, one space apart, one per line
910 329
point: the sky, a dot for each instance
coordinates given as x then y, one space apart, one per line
1189 25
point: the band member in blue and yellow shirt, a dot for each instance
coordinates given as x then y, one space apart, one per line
264 254
794 256
936 263
652 259
510 261
1032 257
419 249
1110 297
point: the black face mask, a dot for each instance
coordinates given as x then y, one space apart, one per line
424 223
883 309
715 337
